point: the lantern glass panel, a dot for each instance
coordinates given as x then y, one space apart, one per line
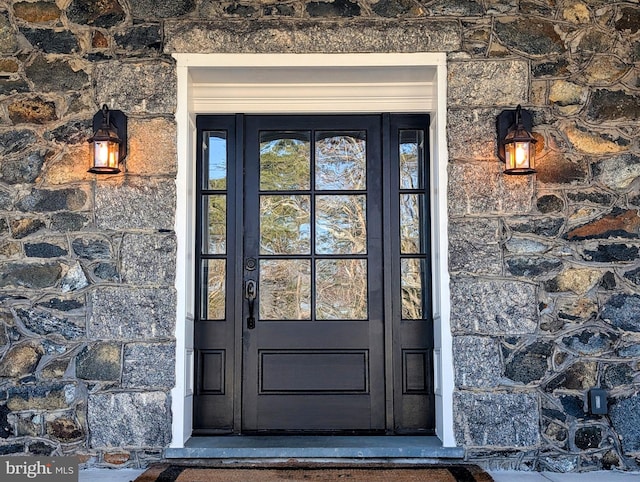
519 155
105 154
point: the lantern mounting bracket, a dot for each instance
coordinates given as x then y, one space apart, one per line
508 120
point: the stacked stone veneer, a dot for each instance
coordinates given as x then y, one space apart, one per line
545 272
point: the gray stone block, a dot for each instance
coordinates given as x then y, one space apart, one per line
534 37
92 247
489 82
529 364
480 230
532 266
495 307
525 246
51 41
99 362
8 37
74 279
497 419
146 9
16 141
44 396
625 414
132 313
56 75
149 365
32 276
618 172
138 204
478 362
104 14
474 188
45 323
473 246
621 310
137 88
148 259
472 134
24 169
47 200
66 221
129 419
263 37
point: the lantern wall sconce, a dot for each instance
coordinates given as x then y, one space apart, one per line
516 145
109 141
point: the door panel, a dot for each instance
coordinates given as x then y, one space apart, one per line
412 324
217 229
318 339
304 221
313 371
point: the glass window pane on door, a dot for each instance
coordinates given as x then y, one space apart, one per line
413 288
341 289
341 161
285 289
214 213
412 223
412 159
215 161
213 297
341 224
285 224
285 160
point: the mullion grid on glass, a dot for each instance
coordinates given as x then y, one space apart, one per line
417 189
265 190
318 256
208 190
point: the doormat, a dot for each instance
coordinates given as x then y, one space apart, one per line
412 473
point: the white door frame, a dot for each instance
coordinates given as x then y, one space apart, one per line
310 83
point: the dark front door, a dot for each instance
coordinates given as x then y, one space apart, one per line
313 271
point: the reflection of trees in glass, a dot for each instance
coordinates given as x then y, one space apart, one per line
412 289
214 272
341 289
411 177
217 184
284 224
412 221
284 161
411 212
215 241
285 289
341 224
341 161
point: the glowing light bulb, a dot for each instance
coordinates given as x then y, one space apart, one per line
521 155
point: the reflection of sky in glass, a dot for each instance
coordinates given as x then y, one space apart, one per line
217 165
411 159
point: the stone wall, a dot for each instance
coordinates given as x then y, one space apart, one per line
545 269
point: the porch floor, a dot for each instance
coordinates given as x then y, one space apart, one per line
273 446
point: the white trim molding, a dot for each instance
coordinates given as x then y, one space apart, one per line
310 83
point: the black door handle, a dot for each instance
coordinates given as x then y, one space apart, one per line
251 293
